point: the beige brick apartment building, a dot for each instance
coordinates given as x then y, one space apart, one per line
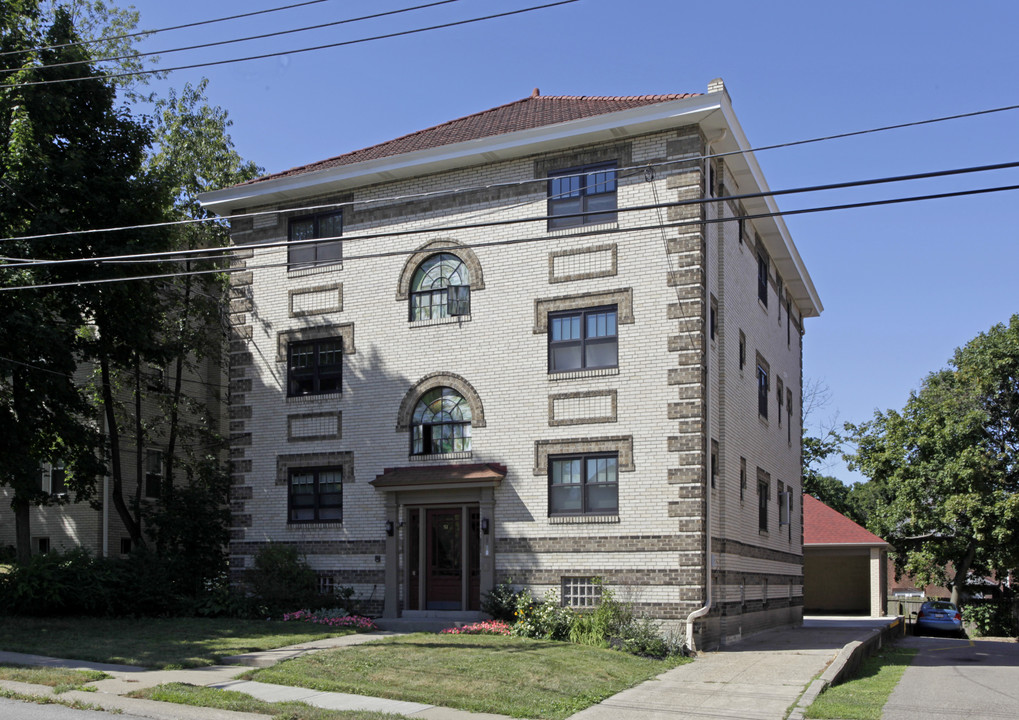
519 345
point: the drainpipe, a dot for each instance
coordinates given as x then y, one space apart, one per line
702 611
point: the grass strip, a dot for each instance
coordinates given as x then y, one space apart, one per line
54 677
479 673
170 643
48 700
863 697
184 694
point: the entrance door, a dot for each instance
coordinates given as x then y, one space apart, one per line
444 560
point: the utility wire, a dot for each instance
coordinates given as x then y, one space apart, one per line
516 183
198 254
140 33
296 51
278 33
545 237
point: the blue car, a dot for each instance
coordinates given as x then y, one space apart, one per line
940 617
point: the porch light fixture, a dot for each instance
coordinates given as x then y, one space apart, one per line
484 526
390 528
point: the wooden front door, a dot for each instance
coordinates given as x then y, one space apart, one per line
444 559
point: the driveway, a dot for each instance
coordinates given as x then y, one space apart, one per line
952 678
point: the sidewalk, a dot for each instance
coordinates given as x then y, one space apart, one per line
757 679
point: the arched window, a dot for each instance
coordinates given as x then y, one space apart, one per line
440 288
441 423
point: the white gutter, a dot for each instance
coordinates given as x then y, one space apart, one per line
703 610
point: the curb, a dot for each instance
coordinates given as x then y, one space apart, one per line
846 663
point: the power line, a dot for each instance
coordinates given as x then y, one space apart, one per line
135 73
222 252
546 238
139 33
234 40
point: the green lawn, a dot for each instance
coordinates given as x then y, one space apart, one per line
229 700
479 673
153 642
863 697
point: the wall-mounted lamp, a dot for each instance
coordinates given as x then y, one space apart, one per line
484 526
390 528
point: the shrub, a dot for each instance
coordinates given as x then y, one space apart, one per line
548 619
501 602
281 579
991 619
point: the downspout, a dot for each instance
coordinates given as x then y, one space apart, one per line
702 611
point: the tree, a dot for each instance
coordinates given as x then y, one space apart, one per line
946 465
46 176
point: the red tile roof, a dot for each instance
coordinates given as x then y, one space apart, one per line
531 112
824 526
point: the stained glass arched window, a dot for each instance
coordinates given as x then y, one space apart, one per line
440 288
441 423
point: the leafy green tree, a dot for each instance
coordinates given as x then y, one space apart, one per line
946 468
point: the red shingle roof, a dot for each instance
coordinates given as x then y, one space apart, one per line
824 526
531 112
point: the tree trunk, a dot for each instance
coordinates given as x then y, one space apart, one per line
171 443
116 467
962 571
23 529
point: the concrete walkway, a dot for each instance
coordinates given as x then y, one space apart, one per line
760 678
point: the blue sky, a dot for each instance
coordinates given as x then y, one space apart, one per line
902 285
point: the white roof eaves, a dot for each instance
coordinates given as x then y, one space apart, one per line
804 290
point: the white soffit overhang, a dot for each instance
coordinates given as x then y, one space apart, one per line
713 111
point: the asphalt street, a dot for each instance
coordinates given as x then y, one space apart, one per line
954 678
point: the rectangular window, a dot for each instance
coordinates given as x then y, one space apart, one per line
784 507
762 500
314 367
762 389
714 463
780 393
788 322
315 495
581 592
58 479
742 350
303 254
762 277
576 191
713 318
789 415
153 473
42 545
742 478
583 485
125 546
582 340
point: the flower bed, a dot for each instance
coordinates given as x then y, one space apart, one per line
332 619
486 627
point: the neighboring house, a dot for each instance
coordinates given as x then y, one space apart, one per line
65 524
517 346
844 564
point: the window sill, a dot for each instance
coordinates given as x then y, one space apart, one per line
448 320
582 228
314 269
312 524
577 374
301 399
442 456
582 519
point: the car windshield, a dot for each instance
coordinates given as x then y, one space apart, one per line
940 606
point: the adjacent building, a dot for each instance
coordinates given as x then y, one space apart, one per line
556 343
